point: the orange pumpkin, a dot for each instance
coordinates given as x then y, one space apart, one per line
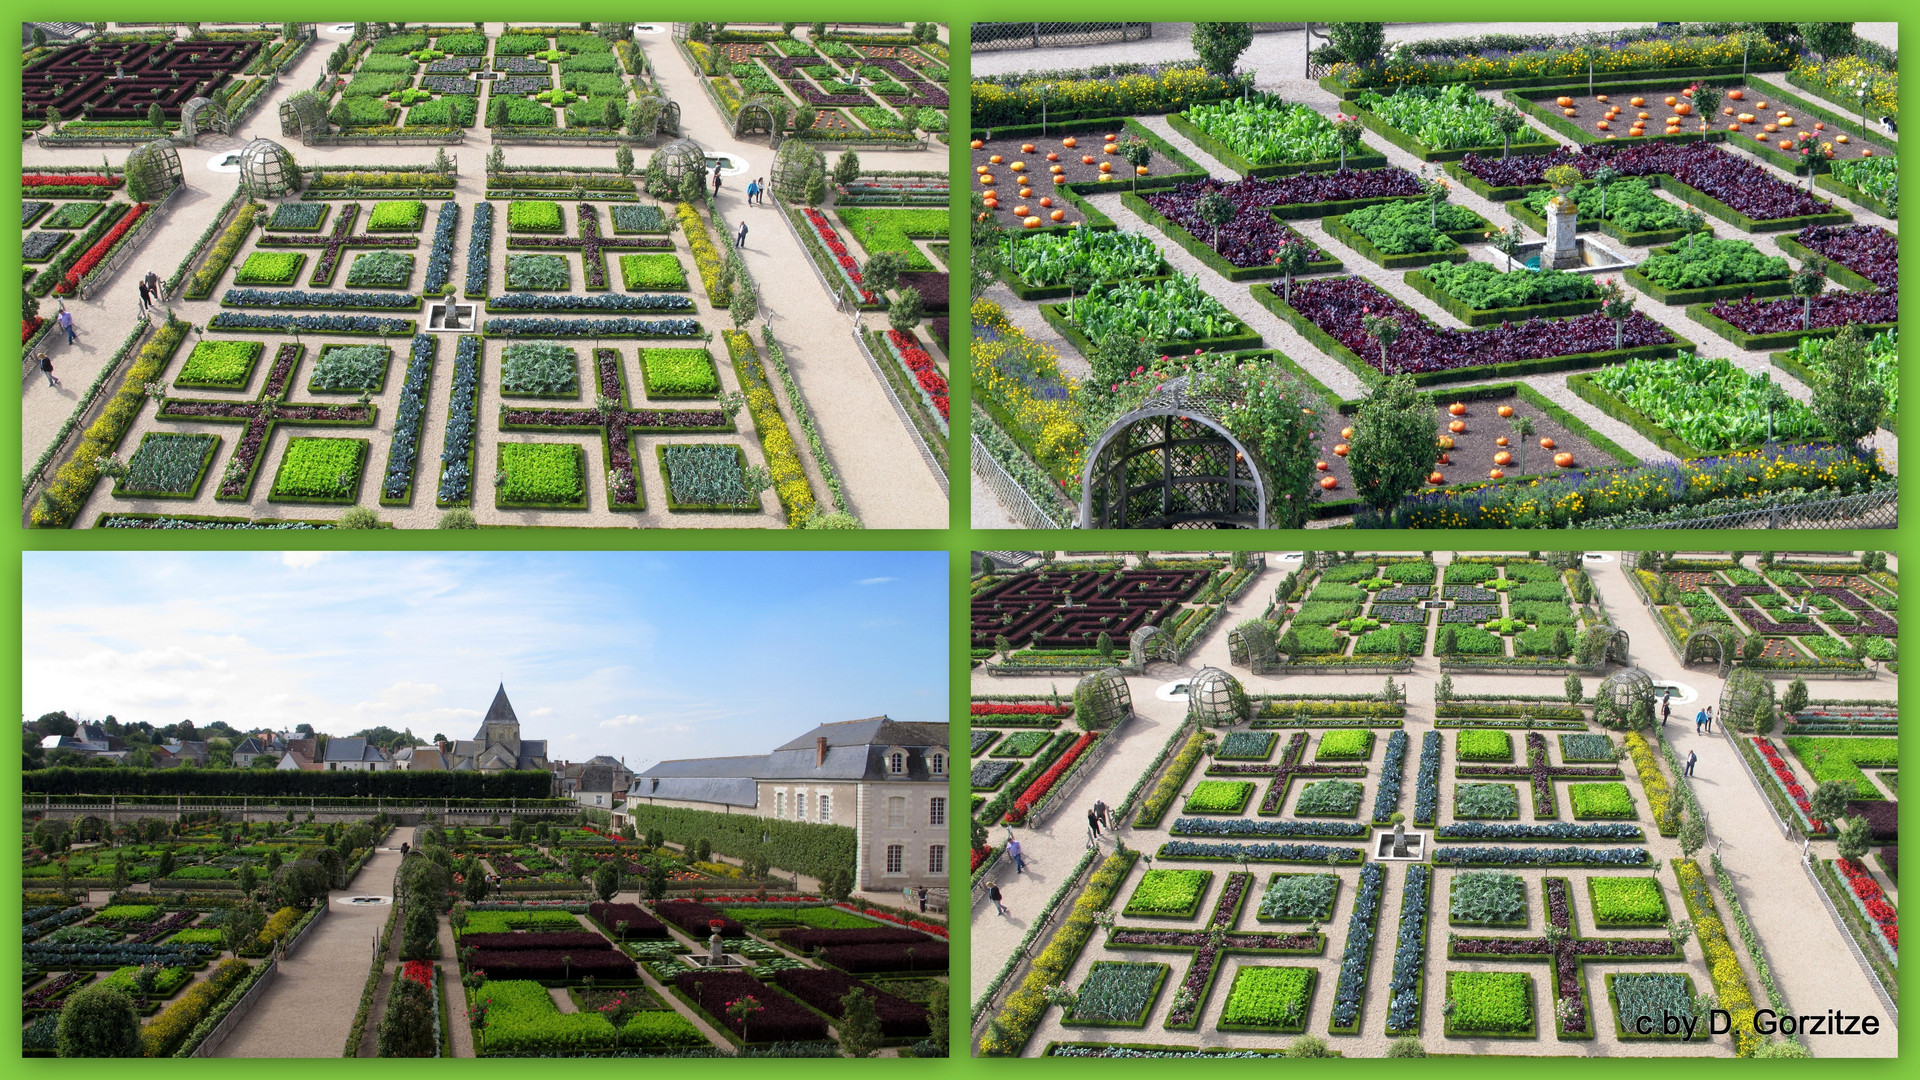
1786 144
1736 95
1841 139
1018 166
1058 215
986 180
1111 148
1728 111
1446 443
1601 124
1644 116
1047 201
1563 459
1671 99
1546 444
1110 138
1457 426
1636 102
1031 223
1329 483
1141 170
1496 474
1601 98
1341 450
977 144
1503 458
1759 136
1733 126
1563 102
1056 169
1346 433
1819 127
1570 112
1106 166
1458 408
1020 211
1026 193
1052 156
1746 118
1446 459
1059 179
1322 466
1026 148
1505 411
1762 105
1866 152
1684 109
1435 478
996 159
1770 128
1069 142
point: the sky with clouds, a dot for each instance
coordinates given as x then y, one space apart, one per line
650 655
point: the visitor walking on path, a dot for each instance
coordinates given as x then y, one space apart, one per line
65 319
1106 816
1019 864
753 191
993 894
1709 719
716 183
761 190
1691 758
153 285
1699 721
146 297
46 367
740 241
1666 708
922 896
1093 820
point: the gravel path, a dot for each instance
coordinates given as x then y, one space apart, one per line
309 1007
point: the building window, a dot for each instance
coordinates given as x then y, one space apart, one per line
897 812
937 811
896 858
780 804
799 806
897 763
937 859
826 808
939 765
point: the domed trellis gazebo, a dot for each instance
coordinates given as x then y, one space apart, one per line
1216 699
792 164
1171 463
1746 702
1624 699
761 112
1149 643
1251 645
267 170
1102 700
1713 642
678 158
201 114
303 116
153 170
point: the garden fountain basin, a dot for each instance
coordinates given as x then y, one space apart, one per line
1595 257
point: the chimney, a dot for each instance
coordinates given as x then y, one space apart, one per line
819 751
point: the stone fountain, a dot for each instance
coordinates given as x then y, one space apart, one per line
450 316
1564 248
716 957
1400 845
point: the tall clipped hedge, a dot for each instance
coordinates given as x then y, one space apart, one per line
528 784
799 846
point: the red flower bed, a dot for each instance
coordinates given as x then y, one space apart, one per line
1872 898
33 180
779 1019
30 327
693 918
876 913
519 940
980 855
932 383
1337 305
824 990
639 923
549 964
418 971
931 956
1785 776
807 938
1011 708
848 264
604 836
1833 309
1047 779
99 251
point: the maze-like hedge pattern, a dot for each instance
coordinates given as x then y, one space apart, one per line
76 76
1117 602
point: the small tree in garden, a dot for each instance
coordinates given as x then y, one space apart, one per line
623 160
1615 304
1829 800
1216 210
1693 835
1116 358
1846 400
847 169
1359 43
244 922
1522 431
882 271
1384 329
1795 698
1832 40
156 117
99 1022
743 1009
1506 242
1443 690
1347 130
744 302
816 186
1292 257
1603 178
496 160
1392 448
1706 102
1137 152
606 882
1219 44
610 115
53 118
1434 192
1808 283
1508 122
1855 837
1575 691
859 1024
905 312
656 883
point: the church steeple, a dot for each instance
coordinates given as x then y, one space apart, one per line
500 726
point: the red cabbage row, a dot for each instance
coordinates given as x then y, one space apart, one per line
824 990
931 956
639 923
695 918
1252 236
552 964
1741 184
779 1019
806 938
1336 305
1783 315
564 941
1867 250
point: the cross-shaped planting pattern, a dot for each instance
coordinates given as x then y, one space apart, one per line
617 422
334 245
1070 609
258 419
1564 948
1540 775
1210 944
1292 763
121 80
591 245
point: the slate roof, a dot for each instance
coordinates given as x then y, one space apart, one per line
856 750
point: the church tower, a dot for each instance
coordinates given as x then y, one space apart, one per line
500 727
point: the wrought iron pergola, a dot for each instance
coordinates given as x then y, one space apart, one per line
1172 463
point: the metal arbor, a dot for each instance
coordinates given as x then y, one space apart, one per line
792 165
153 170
1216 699
761 112
267 170
1746 701
1149 643
678 158
1624 699
1251 644
201 114
1102 700
1171 463
1713 641
304 116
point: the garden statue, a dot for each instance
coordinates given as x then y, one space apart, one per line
715 949
1399 835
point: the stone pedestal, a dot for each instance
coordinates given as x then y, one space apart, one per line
1562 251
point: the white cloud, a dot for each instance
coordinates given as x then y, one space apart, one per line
303 560
875 581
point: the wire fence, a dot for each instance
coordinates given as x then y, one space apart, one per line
1869 510
990 37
